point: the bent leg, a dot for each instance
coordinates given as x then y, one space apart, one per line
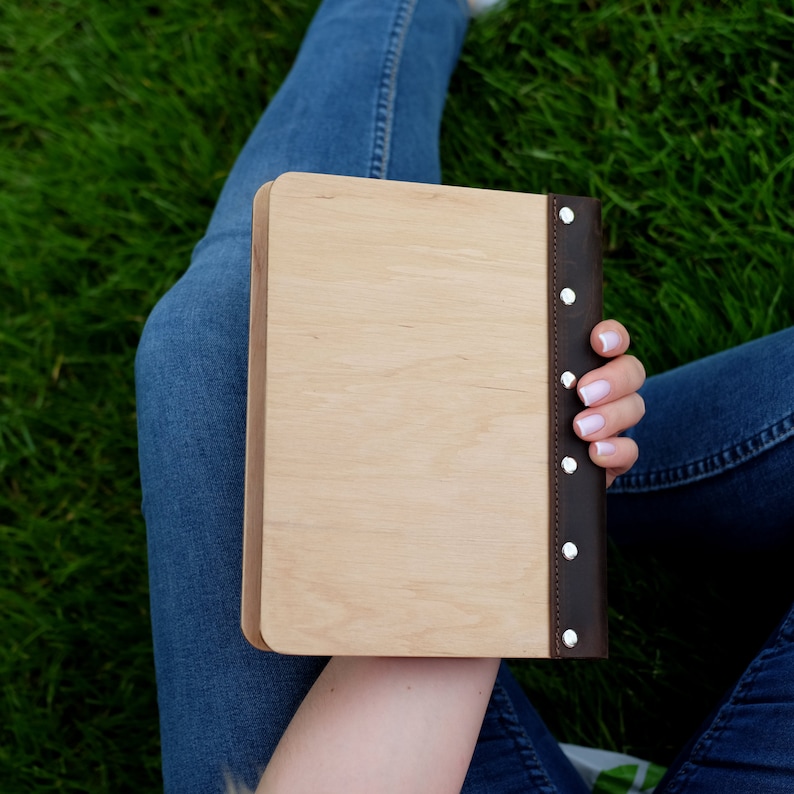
716 451
746 746
364 98
366 92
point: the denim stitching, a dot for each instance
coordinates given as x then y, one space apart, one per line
384 119
727 713
707 467
513 729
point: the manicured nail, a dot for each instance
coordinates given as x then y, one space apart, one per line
594 391
604 448
609 340
590 424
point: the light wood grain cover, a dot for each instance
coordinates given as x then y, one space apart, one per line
405 498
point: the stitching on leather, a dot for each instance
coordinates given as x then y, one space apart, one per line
555 430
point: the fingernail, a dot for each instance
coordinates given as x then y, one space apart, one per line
604 448
590 424
594 391
609 340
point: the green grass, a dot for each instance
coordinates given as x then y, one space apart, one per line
119 123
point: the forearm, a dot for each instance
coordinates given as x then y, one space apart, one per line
391 725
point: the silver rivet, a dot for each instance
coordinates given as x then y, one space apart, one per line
569 465
566 215
570 550
568 379
568 296
570 638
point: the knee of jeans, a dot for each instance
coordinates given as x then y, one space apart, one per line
195 341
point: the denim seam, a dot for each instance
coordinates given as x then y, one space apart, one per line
384 119
707 467
515 731
726 713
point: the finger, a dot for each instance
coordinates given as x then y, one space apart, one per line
616 379
616 455
610 419
610 338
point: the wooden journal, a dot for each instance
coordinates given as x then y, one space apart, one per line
413 483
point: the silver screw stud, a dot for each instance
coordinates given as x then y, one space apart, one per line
570 550
568 379
568 296
567 215
570 638
569 464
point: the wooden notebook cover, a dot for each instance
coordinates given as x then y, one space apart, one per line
407 425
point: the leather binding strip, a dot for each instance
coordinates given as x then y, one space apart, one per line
578 500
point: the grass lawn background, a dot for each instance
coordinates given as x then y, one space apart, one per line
119 123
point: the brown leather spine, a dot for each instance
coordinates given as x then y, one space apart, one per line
578 500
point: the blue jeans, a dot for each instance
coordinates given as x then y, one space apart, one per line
365 98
